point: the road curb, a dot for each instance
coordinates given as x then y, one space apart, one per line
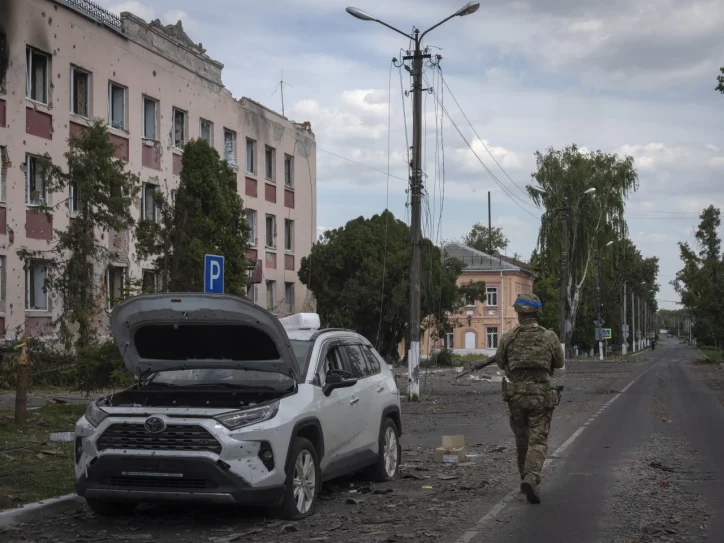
43 509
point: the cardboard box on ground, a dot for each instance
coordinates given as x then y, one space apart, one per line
452 450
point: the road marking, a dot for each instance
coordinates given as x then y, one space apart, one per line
471 533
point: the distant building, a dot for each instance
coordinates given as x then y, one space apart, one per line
66 62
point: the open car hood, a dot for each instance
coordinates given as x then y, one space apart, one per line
157 332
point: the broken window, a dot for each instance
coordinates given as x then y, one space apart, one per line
271 287
251 221
150 283
80 92
35 194
115 285
270 159
250 156
230 147
288 235
150 118
289 298
117 106
491 295
3 172
36 293
288 171
149 209
37 75
207 131
492 337
179 128
271 231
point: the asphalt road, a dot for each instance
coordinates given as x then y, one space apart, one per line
648 467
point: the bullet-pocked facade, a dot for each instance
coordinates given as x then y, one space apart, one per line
64 63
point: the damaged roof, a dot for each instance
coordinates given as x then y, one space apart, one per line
474 260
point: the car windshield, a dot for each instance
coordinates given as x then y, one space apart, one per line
222 377
301 349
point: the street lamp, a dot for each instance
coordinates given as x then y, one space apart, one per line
413 357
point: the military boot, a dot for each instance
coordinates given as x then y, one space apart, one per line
530 489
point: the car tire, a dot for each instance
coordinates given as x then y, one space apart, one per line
111 509
302 485
388 459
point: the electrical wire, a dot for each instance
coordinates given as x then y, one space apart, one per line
361 164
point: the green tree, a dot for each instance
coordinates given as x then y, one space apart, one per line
565 175
207 218
488 240
359 275
102 191
720 81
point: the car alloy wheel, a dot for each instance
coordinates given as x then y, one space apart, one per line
305 482
390 452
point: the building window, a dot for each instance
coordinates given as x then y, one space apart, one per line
179 128
469 301
150 118
270 159
449 340
174 195
150 283
80 92
3 172
271 231
207 131
491 296
73 200
251 293
230 147
492 337
289 298
35 194
288 235
115 285
117 106
36 293
149 209
250 156
288 171
251 221
271 287
2 283
38 68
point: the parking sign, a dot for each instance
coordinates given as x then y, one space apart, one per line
214 274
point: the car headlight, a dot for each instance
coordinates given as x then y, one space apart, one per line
94 414
238 419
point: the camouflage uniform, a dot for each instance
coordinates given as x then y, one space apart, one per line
528 354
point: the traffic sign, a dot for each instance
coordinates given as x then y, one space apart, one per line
606 333
214 274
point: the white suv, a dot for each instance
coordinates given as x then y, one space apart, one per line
233 405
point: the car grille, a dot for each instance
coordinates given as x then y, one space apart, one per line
176 437
158 482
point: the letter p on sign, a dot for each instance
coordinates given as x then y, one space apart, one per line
214 274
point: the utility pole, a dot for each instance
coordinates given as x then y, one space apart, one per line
490 222
624 328
599 324
633 321
417 57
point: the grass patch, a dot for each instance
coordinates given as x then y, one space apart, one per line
711 355
31 466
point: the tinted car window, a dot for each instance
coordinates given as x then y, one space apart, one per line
372 361
357 361
301 350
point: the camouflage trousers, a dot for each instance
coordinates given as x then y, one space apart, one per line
530 420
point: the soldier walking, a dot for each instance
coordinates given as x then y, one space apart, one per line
529 354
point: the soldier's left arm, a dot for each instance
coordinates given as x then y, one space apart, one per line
559 359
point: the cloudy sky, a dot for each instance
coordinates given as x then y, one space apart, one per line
627 76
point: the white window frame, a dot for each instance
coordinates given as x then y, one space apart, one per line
270 176
230 150
109 294
210 141
251 219
491 332
252 293
272 231
449 340
73 201
288 235
3 172
73 71
289 300
270 304
288 179
111 86
185 134
155 189
156 279
28 171
28 280
491 293
155 117
29 52
250 157
2 283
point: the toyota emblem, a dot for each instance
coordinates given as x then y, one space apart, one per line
154 425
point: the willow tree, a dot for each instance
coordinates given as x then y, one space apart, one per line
566 178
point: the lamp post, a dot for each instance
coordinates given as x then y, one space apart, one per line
564 265
413 356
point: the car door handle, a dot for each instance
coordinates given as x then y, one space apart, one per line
381 389
354 401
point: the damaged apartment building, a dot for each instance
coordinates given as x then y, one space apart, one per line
64 63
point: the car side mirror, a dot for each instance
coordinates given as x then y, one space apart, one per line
338 379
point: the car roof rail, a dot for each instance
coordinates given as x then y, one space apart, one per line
325 330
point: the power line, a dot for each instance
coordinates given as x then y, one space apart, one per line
361 164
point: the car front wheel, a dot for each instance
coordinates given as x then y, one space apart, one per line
303 481
388 460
